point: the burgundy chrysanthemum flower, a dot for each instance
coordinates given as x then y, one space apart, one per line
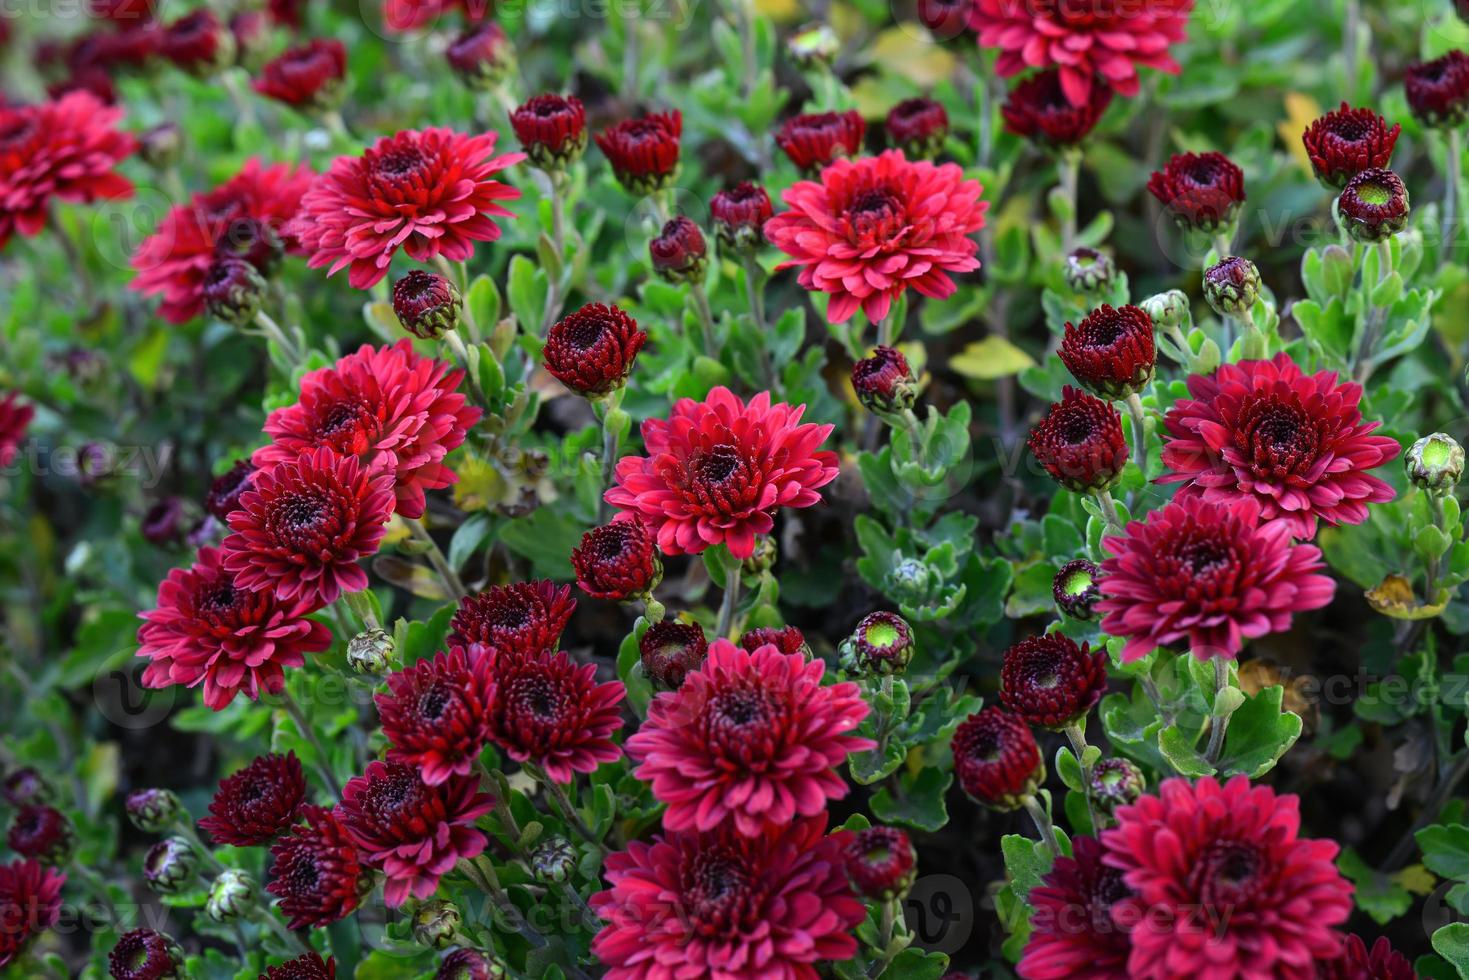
1243 895
1072 931
307 966
1357 962
304 525
723 906
550 711
1051 682
679 253
143 954
1090 41
42 832
749 738
738 216
246 214
234 641
1111 352
670 651
717 470
617 561
15 416
436 713
67 149
996 759
1344 143
287 13
1203 191
592 350
516 619
1374 206
873 227
430 192
316 872
786 639
308 75
814 140
409 830
884 382
643 151
1080 442
132 48
224 493
918 127
1292 442
1207 575
258 803
880 861
1438 90
30 903
388 406
1038 110
197 42
552 129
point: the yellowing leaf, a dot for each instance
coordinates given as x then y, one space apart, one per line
1300 111
1416 880
991 358
781 11
1395 598
906 50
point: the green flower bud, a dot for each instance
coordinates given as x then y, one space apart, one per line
1116 782
1089 271
881 644
553 860
233 290
1435 463
153 810
1231 286
764 556
170 866
909 582
436 923
370 652
1167 310
234 894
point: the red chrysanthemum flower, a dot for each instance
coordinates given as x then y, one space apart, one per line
996 759
15 416
670 651
1357 962
307 966
67 149
725 907
287 13
1438 90
617 561
1050 681
409 830
873 227
1203 191
409 15
552 129
1242 894
208 630
304 525
592 350
1038 110
395 410
197 42
225 492
1344 143
30 903
1080 442
717 470
308 75
431 193
1072 931
814 140
436 713
258 803
551 712
1207 575
315 871
786 639
752 738
880 861
643 151
738 216
1111 352
143 954
1292 442
516 619
1091 41
246 216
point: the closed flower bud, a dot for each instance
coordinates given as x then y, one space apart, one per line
814 140
592 350
883 382
160 146
233 895
1374 206
643 151
881 644
162 524
198 43
553 860
170 866
426 303
552 129
997 760
1167 310
617 561
233 290
945 19
41 832
1435 463
370 652
1080 443
146 955
25 787
1111 352
1089 271
881 862
670 651
436 923
918 127
1438 90
1231 286
813 45
482 56
1116 782
1075 589
909 582
153 810
739 215
309 77
471 964
679 253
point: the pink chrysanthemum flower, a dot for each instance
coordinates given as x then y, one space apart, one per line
1207 576
752 738
1243 896
717 470
431 193
208 630
875 226
724 907
30 903
551 712
244 217
397 411
409 830
304 525
1088 40
1073 933
436 713
15 416
1295 443
67 149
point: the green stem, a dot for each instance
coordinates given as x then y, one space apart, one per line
706 320
1042 824
362 609
611 438
268 919
1431 571
887 330
1110 516
733 567
755 297
97 887
1254 337
308 732
1139 432
447 575
1076 733
1221 724
1070 176
562 803
1453 177
185 828
278 335
456 344
1363 365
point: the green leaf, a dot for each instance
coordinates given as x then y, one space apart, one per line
918 801
1178 748
1452 943
1259 734
1445 850
484 303
991 358
1026 862
1377 894
916 964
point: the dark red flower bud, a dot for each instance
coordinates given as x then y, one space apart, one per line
1051 682
1038 110
123 12
552 130
1116 782
145 955
945 19
224 492
426 303
171 866
1357 962
881 644
1344 143
1232 285
880 861
643 151
1080 442
482 56
25 787
41 832
471 964
130 48
163 523
1374 205
739 215
316 871
1111 352
1438 91
679 253
258 803
670 651
307 966
883 382
250 30
918 127
786 639
814 140
233 290
1203 191
1075 588
617 561
592 350
308 77
198 43
93 80
996 759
